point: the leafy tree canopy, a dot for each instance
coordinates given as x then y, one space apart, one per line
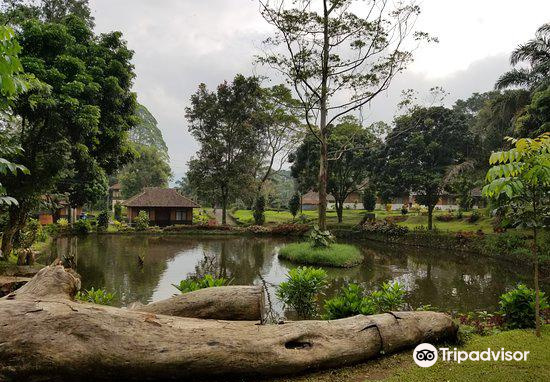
149 169
419 151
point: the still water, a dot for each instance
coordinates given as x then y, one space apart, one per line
459 282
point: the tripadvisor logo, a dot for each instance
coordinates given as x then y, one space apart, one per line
425 355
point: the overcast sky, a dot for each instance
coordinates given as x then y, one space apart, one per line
181 43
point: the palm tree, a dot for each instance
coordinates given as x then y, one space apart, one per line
537 53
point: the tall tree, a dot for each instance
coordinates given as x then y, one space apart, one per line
12 83
73 125
16 11
282 130
418 152
536 53
149 169
227 124
335 60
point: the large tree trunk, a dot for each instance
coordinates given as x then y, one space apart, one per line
16 219
239 302
340 210
430 216
46 335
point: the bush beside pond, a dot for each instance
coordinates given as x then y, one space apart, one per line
336 255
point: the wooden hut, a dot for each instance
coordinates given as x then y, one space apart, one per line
165 206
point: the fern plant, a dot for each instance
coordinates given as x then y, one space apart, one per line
193 284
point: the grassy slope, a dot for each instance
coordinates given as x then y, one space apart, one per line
353 217
337 255
400 367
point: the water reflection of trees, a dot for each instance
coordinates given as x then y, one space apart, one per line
442 279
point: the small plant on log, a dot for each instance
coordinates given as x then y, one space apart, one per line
302 289
352 300
96 296
192 284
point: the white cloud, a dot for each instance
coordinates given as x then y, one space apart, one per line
181 43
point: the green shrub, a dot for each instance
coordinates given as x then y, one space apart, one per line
369 199
302 289
294 204
63 223
389 297
82 227
506 243
352 300
518 307
200 216
142 221
384 227
118 211
259 210
95 296
337 255
32 232
103 220
474 217
321 239
51 230
192 284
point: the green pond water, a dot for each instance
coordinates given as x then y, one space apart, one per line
450 281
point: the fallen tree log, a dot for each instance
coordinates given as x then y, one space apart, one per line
45 334
10 283
239 302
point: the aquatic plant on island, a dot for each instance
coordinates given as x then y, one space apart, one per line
321 250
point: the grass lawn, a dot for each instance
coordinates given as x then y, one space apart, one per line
337 255
353 217
415 221
400 367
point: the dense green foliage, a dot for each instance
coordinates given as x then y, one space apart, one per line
259 210
193 284
227 125
352 299
95 296
103 220
118 211
72 125
350 149
141 221
337 255
302 289
149 169
518 307
369 199
417 153
82 227
323 51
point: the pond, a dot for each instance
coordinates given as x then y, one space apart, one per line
459 282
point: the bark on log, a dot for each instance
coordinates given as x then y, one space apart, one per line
240 303
45 334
